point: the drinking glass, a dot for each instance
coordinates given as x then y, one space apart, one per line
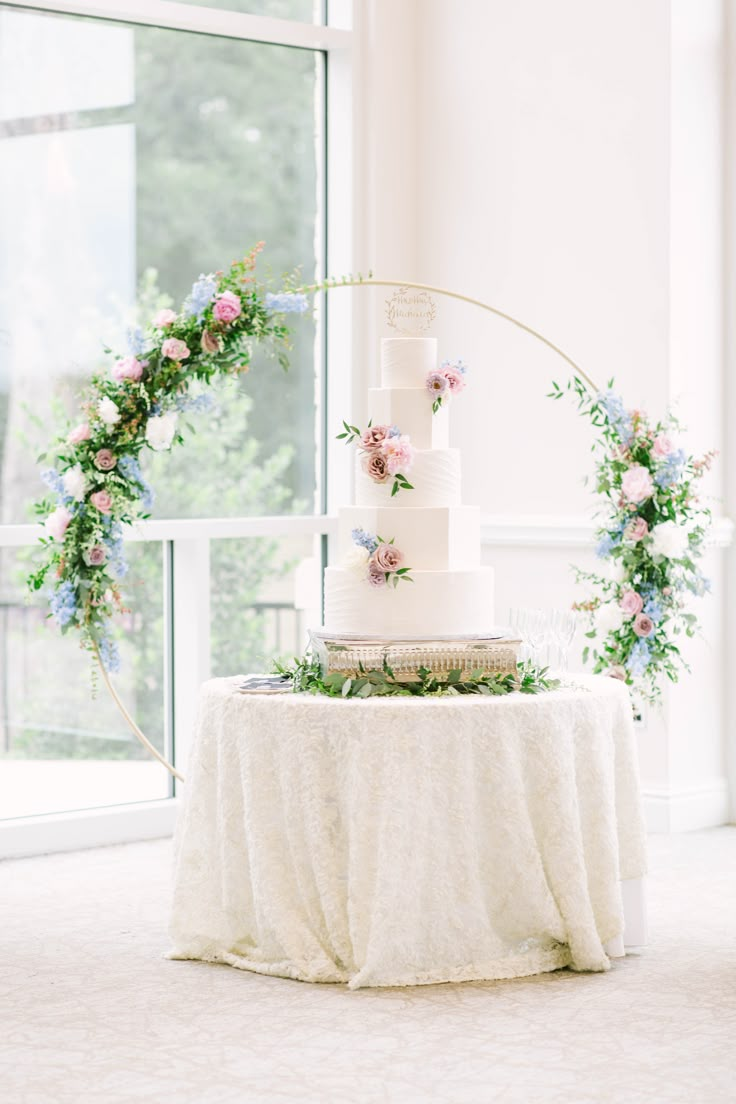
564 626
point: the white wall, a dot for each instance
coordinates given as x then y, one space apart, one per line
563 161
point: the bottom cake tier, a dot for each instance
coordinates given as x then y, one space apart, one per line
434 602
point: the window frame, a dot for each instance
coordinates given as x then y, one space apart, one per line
187 541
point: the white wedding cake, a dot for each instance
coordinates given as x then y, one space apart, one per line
409 550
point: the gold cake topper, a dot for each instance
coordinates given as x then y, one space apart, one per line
410 311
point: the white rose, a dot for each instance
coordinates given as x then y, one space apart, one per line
356 562
608 618
74 482
669 540
160 430
108 411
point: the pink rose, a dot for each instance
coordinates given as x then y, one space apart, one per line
375 466
227 307
127 368
662 445
164 318
102 501
79 433
96 556
174 349
387 557
643 625
57 522
376 577
455 379
374 436
105 460
636 529
637 484
210 342
631 603
399 454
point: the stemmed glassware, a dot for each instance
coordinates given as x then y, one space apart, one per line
541 631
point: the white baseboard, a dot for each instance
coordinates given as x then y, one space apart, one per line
44 835
687 808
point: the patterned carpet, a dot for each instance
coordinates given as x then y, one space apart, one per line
90 1013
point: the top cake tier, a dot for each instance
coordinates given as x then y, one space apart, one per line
405 361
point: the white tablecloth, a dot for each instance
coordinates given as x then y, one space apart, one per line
407 841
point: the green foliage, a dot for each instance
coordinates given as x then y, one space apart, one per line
307 677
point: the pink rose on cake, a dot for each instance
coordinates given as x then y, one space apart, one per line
375 466
387 557
399 453
374 436
455 376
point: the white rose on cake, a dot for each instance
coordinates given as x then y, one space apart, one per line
669 540
608 618
356 562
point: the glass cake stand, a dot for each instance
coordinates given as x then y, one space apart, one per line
348 653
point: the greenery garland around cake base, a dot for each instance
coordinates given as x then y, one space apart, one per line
305 674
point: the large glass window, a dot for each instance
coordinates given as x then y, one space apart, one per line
132 158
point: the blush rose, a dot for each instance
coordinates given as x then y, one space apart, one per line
636 484
102 501
128 368
164 318
631 603
227 307
636 529
57 522
174 349
79 433
387 557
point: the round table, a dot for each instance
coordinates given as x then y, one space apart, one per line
402 841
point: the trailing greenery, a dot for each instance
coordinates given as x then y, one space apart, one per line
306 676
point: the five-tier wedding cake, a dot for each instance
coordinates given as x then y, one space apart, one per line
409 550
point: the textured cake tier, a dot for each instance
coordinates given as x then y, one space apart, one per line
405 361
410 408
434 475
431 538
436 602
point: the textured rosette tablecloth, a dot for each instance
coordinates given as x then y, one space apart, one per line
401 841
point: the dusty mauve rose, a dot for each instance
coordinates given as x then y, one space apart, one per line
95 556
376 577
662 445
618 672
210 342
375 466
631 603
164 318
127 368
643 625
636 484
636 529
174 349
102 501
374 436
388 557
79 433
105 460
227 307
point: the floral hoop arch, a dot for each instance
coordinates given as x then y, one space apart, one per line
99 487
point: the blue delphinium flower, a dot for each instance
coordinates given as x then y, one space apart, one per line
130 468
136 340
653 609
671 469
638 659
617 415
364 540
699 585
114 544
286 302
394 431
458 365
109 654
194 404
63 603
55 483
201 295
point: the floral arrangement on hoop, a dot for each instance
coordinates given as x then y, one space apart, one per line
376 560
653 536
387 453
446 381
96 483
